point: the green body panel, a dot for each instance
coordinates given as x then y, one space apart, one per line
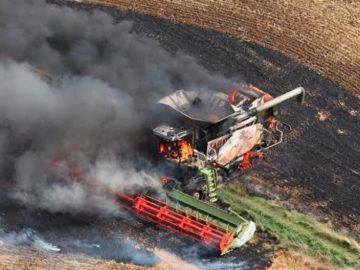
206 210
242 230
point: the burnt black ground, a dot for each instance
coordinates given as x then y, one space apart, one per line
316 156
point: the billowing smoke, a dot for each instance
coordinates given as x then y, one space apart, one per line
98 109
81 115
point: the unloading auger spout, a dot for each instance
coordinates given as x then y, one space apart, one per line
299 92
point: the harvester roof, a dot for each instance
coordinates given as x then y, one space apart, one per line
205 109
202 108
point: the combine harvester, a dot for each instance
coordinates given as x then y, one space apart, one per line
219 136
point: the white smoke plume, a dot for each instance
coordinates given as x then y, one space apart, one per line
27 237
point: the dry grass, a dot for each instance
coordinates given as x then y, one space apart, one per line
12 257
18 258
26 258
324 35
290 260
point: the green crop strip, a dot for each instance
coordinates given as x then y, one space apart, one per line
294 230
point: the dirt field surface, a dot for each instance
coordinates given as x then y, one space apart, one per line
324 35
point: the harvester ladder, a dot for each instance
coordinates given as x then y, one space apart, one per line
211 179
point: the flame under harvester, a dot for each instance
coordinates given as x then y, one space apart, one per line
217 136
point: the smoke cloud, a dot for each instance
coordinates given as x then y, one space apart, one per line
98 109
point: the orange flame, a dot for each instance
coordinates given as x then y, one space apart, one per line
180 150
161 148
185 150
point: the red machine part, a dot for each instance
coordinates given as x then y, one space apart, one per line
176 220
271 121
161 213
232 96
245 163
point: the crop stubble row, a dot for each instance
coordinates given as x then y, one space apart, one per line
324 35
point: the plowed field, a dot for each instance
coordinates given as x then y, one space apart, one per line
324 35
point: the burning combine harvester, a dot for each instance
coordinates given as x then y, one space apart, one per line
212 136
215 135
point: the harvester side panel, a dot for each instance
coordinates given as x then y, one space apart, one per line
212 212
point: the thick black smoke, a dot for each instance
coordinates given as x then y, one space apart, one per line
98 109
